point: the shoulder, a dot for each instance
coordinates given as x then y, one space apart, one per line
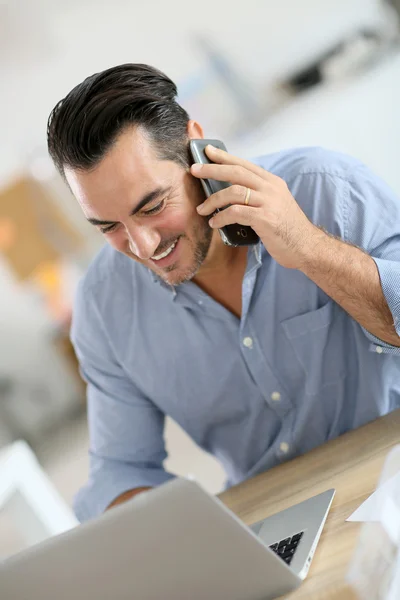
106 269
337 192
109 272
304 162
110 303
319 180
109 287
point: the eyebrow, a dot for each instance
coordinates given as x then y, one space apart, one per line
157 193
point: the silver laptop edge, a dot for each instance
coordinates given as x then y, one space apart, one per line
174 541
307 517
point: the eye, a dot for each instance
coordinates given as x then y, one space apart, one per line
156 209
108 229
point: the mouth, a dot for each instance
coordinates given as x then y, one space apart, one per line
166 258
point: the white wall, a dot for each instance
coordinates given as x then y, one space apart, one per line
53 46
360 116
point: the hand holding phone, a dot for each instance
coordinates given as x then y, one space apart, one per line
232 235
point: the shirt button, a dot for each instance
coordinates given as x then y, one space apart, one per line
248 342
379 349
284 447
275 396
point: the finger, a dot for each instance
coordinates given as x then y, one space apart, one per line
234 174
222 157
234 194
242 215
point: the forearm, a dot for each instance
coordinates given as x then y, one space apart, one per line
127 496
351 278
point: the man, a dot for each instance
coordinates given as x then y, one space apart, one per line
259 353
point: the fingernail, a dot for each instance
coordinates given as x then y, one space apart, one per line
212 147
196 168
211 222
200 208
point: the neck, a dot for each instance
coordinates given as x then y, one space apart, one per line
221 275
221 260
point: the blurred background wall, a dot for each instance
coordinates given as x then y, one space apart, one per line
261 75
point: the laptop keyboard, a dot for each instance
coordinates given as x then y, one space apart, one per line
287 547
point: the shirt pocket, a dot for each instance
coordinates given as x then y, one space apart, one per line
317 340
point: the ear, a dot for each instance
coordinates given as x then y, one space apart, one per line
195 130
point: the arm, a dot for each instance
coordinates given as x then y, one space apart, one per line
127 496
342 196
351 278
125 428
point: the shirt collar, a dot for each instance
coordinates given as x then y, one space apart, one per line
156 279
254 258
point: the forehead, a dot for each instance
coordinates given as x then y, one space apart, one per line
130 164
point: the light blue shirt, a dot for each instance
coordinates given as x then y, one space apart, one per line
293 372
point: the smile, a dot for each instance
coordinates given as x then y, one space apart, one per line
165 254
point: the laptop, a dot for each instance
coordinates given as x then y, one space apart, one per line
173 542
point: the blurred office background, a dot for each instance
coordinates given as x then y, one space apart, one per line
261 75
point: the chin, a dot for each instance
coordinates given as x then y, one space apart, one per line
176 276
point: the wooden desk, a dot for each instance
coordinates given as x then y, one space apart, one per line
352 464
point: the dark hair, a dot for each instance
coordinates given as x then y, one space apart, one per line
84 125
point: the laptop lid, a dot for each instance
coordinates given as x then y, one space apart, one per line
176 541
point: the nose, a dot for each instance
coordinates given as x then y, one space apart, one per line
143 241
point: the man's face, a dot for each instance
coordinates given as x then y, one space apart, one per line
145 207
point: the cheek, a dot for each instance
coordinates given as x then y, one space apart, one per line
179 219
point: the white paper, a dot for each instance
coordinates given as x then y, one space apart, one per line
390 519
380 502
394 591
375 568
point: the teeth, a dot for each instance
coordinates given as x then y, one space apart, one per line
164 254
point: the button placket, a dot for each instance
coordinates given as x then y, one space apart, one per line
270 388
248 342
284 447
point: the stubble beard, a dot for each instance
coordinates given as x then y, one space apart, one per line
203 235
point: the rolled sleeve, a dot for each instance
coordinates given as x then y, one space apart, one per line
126 429
372 218
389 273
113 479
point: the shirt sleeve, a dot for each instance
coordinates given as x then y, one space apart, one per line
371 215
126 429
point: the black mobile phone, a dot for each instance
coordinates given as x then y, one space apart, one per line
232 235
